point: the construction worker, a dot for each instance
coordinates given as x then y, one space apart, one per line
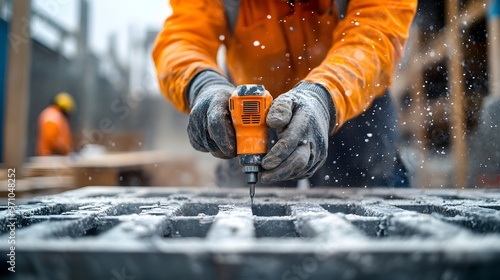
327 64
54 135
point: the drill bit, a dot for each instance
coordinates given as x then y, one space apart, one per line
252 192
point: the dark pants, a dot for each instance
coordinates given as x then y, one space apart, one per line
362 153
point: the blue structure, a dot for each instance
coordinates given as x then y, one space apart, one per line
494 9
4 39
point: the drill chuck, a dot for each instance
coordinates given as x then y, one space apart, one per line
251 172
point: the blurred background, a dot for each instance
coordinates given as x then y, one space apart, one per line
125 133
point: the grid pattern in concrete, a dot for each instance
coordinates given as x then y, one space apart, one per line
190 233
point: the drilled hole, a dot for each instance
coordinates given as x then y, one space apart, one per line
475 225
457 218
451 197
25 216
101 227
429 209
269 210
372 227
493 207
344 209
274 228
188 227
77 227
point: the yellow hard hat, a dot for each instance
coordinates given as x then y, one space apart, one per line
64 101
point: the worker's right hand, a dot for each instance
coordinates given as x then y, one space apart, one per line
304 117
209 127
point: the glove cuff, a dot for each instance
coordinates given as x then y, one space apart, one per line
325 98
201 81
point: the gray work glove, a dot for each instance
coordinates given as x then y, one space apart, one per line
303 118
209 127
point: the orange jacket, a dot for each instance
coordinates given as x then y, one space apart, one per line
54 135
277 44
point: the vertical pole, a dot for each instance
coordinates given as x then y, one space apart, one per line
82 40
418 97
17 95
456 82
87 98
494 48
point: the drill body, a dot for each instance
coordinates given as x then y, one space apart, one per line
249 105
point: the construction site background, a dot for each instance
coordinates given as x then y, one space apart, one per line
121 115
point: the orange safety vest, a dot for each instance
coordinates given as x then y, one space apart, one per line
278 44
54 135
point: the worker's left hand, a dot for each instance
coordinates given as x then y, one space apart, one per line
303 118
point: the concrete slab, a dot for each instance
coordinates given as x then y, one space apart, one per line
193 233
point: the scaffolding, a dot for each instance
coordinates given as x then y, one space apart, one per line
447 48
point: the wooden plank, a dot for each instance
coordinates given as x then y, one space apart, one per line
123 159
456 81
105 169
89 176
16 105
48 166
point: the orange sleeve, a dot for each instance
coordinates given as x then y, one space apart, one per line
188 44
368 44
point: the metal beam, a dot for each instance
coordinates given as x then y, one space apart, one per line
45 18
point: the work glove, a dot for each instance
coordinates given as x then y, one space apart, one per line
209 127
303 118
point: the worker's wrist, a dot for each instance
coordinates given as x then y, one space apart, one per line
204 79
324 96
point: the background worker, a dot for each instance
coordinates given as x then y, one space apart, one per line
332 118
54 134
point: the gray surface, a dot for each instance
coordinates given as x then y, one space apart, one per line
187 233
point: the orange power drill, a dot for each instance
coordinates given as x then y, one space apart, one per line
249 105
